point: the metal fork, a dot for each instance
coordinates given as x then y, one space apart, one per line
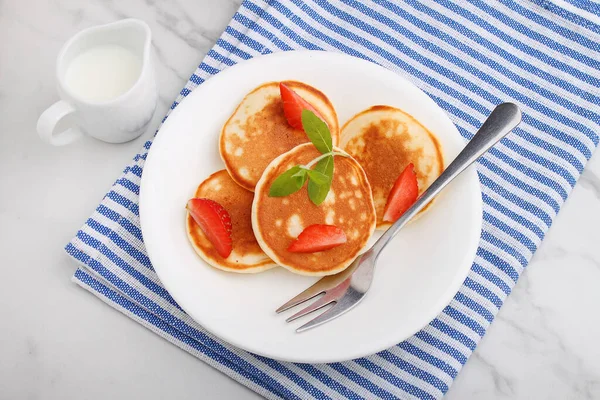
347 288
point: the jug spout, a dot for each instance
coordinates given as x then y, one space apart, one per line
131 33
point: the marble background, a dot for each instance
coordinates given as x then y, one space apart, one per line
59 342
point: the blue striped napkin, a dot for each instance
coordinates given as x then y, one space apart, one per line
468 56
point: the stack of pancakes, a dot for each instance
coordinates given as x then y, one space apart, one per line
257 145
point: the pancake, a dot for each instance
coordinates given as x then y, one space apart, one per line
277 221
246 256
384 140
257 132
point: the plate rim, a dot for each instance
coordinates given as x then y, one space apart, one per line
442 302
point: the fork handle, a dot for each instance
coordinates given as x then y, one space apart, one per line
504 118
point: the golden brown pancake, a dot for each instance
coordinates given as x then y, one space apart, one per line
246 256
277 221
384 140
257 132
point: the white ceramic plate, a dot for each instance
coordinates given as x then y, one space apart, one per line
417 275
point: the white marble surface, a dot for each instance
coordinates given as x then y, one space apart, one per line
58 342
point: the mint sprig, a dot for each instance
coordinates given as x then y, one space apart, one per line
289 182
317 191
319 178
317 131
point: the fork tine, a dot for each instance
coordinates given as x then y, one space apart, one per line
318 288
333 312
320 303
321 286
344 304
308 294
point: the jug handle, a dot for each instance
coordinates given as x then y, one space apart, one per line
50 118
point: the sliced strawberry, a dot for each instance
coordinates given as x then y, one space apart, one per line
318 237
403 194
293 105
214 221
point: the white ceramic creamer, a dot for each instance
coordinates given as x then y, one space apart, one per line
106 80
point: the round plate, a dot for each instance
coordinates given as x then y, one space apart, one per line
417 274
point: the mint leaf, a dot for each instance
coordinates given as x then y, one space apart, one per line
318 192
301 173
317 177
289 182
317 131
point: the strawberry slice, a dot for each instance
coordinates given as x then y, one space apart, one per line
403 194
318 237
214 221
293 105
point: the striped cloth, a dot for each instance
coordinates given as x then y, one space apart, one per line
468 56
